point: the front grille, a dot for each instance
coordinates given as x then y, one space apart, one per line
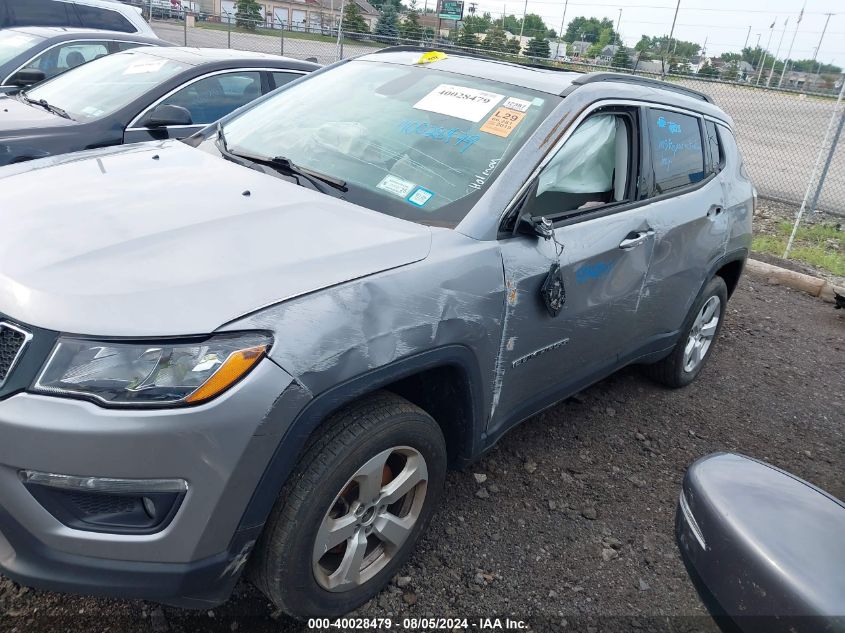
12 341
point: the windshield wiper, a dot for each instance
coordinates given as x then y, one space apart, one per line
47 106
282 165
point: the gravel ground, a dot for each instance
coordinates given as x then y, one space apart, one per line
568 523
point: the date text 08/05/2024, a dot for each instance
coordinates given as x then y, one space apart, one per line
411 624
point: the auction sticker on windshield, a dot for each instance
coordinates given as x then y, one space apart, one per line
502 122
396 186
469 104
520 105
146 66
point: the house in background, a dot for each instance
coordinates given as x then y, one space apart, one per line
299 15
579 48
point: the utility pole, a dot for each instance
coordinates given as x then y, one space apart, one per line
560 33
791 44
522 26
777 52
820 185
765 52
747 35
339 47
618 20
818 48
671 33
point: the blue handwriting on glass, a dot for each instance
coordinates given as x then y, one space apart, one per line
462 140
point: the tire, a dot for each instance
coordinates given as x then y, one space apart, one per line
676 370
306 580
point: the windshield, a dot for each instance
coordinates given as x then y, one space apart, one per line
410 141
13 44
105 85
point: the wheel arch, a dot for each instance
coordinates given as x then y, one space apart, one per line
434 380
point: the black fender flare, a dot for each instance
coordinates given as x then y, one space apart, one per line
290 447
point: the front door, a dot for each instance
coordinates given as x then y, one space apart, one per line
207 100
590 189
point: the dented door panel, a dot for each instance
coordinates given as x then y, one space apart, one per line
543 354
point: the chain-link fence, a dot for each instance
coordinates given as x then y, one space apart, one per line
780 131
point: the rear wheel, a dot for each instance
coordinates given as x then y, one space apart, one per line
352 511
698 336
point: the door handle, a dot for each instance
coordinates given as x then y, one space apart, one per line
634 239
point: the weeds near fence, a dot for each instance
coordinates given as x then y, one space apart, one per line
821 246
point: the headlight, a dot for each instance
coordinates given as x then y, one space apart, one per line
150 374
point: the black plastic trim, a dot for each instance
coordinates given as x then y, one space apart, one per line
590 78
198 584
291 445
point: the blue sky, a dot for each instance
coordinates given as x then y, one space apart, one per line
721 22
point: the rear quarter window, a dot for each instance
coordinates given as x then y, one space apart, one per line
97 18
677 153
715 154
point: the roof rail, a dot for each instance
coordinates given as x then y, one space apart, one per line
451 48
590 78
413 48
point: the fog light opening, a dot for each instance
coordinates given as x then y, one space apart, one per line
149 507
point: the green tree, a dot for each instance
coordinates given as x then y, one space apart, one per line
467 39
409 28
478 23
598 45
248 13
731 73
589 29
621 59
534 26
386 25
495 40
353 21
513 46
538 47
708 71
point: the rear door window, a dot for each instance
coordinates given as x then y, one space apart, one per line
97 18
40 13
280 79
676 148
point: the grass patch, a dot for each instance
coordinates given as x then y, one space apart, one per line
289 35
821 246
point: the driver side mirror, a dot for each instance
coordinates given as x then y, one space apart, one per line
538 227
168 115
27 77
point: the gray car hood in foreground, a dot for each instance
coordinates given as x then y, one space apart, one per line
164 239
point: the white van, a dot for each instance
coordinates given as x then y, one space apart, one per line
91 14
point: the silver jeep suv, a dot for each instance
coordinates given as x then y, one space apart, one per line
261 349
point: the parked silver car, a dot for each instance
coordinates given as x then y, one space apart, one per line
261 348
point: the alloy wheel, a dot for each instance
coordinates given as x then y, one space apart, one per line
370 519
702 333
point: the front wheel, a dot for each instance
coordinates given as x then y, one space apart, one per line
353 509
698 336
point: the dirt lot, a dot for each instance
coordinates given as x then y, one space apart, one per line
571 527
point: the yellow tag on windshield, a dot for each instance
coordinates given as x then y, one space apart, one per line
431 56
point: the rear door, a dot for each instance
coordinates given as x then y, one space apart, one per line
687 214
590 190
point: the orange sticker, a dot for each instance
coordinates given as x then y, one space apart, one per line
502 122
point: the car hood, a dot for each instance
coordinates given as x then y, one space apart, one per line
18 116
162 239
